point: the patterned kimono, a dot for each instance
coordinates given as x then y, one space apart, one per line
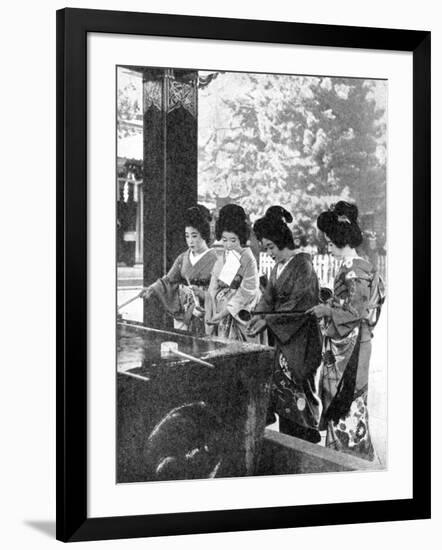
355 307
174 293
242 294
298 347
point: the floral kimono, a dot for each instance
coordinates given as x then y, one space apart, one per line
355 307
298 346
178 299
242 293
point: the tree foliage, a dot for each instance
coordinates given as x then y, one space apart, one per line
129 101
302 142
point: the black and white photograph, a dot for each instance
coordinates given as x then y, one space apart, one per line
251 246
220 231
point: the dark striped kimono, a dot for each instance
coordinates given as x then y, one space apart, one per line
298 346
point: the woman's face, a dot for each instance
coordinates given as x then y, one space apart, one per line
272 250
333 249
194 240
230 241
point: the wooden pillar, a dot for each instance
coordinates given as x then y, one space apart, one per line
170 171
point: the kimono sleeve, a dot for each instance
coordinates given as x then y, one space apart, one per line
167 288
267 301
213 285
352 304
303 294
174 273
247 293
209 301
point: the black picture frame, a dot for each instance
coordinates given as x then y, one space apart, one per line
73 25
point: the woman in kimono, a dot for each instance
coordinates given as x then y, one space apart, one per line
349 318
234 285
182 292
293 288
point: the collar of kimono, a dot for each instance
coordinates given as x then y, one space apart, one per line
193 258
285 261
282 265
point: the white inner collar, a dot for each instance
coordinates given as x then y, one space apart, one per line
194 258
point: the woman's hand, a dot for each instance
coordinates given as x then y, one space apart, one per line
321 310
199 292
218 317
256 325
198 311
145 293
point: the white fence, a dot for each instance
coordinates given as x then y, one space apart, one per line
326 267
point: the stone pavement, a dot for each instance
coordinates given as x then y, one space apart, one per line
130 276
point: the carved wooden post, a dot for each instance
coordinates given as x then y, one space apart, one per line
170 170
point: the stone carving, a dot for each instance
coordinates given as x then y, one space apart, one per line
152 94
182 94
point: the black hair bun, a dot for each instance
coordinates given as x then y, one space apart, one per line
232 218
273 226
346 210
326 220
278 213
198 214
199 217
232 212
340 224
